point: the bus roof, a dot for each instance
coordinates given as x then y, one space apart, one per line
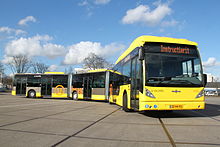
46 73
103 70
138 42
98 70
54 73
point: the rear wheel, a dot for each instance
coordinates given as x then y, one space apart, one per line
125 103
31 94
75 96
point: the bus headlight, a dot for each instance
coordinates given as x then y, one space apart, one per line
201 93
149 94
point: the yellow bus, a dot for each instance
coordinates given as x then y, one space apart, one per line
92 85
159 73
50 84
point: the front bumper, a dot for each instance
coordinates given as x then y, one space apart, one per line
171 106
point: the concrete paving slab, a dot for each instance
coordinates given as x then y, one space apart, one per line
98 110
126 132
31 113
78 116
132 118
88 142
5 119
191 121
7 110
211 110
197 145
22 139
195 134
62 127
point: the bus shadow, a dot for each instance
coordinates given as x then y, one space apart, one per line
211 110
69 99
49 98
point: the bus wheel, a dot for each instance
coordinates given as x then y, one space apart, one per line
75 96
125 103
31 94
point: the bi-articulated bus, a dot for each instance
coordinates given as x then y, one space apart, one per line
159 73
154 73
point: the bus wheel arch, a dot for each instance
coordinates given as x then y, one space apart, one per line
75 95
31 93
125 102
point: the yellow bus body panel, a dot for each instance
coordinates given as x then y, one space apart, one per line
59 95
167 98
13 92
80 96
98 97
175 93
93 97
118 99
171 105
172 98
54 73
38 94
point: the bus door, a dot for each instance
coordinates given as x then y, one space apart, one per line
87 87
21 85
134 83
46 85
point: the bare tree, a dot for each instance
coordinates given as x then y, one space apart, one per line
216 83
1 71
1 68
39 67
94 61
20 64
8 81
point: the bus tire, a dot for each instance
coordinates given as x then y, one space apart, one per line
31 94
75 96
125 103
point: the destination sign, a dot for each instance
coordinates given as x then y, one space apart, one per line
178 50
170 48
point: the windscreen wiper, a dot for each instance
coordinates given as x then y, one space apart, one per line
159 79
182 82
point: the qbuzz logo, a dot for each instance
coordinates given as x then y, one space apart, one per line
59 89
176 91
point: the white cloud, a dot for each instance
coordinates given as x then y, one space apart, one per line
34 46
27 19
53 50
143 14
12 31
83 3
78 52
101 2
53 68
7 59
211 62
171 23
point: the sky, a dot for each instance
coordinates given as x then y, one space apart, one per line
61 33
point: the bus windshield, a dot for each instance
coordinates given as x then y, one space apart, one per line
173 70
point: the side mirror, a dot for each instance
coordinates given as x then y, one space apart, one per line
205 79
141 54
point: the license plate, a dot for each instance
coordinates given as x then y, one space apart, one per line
176 106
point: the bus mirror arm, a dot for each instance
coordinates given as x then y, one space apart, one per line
141 54
205 79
